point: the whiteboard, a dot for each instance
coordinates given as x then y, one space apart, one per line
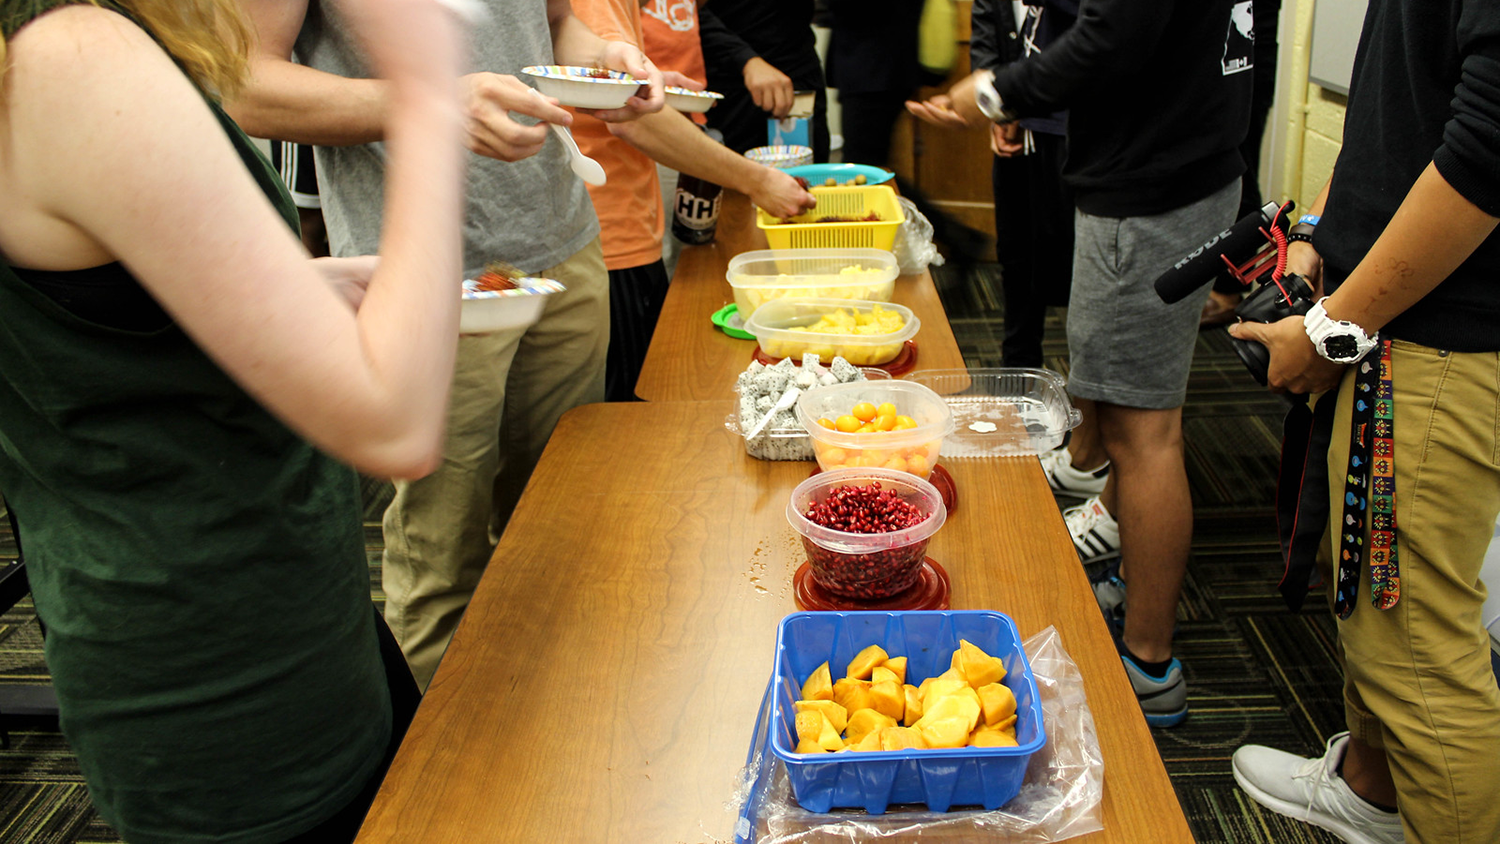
1335 37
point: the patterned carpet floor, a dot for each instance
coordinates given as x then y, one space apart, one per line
1256 672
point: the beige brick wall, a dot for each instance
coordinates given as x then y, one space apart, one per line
1314 120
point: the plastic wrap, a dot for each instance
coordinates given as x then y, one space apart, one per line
914 248
1059 800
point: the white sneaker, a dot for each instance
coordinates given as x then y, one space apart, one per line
1311 790
1096 534
1062 477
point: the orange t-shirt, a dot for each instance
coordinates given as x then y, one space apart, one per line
629 203
672 41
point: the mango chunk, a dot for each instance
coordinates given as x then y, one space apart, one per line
978 667
809 724
941 688
945 732
865 661
992 738
871 742
851 694
901 738
865 721
998 702
913 704
897 665
810 747
836 715
883 674
961 707
819 685
887 698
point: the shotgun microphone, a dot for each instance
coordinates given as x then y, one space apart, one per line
1214 258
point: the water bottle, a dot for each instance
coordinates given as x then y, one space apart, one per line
695 215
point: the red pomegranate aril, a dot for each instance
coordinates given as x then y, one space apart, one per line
866 510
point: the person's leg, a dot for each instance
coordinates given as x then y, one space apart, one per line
1155 514
560 365
635 299
868 120
1418 679
436 529
1016 247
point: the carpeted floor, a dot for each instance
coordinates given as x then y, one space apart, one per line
1256 672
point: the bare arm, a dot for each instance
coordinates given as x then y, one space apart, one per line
673 140
157 185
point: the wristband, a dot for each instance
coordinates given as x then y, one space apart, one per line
1310 219
988 99
1301 232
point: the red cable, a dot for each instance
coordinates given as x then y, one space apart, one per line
1281 251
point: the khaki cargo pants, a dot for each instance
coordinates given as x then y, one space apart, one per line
1418 680
509 390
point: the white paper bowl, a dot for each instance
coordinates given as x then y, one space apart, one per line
781 156
688 100
483 312
574 86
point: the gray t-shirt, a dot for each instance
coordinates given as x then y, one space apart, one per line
533 214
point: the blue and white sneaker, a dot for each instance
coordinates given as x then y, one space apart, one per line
1109 591
1162 699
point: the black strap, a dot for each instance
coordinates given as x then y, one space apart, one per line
1302 493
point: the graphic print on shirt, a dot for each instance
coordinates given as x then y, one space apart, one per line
1239 42
680 15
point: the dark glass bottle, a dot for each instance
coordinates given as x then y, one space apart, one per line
695 213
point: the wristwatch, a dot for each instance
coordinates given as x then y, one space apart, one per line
988 99
1335 340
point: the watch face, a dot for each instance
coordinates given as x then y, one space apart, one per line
1340 347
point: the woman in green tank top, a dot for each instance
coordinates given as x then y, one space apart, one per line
182 392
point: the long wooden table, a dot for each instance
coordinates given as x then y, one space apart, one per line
691 360
603 685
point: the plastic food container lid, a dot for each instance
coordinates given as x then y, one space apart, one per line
778 327
811 267
1002 412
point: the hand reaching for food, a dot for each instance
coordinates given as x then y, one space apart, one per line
770 88
782 195
492 132
957 109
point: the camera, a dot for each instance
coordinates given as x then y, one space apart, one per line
1271 301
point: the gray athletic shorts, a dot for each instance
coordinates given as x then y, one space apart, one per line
1125 345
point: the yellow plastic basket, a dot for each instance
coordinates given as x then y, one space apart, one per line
845 201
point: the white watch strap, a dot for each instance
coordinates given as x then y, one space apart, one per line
987 98
1319 327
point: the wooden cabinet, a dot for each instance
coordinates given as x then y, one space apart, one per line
950 167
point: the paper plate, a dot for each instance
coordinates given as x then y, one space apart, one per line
583 87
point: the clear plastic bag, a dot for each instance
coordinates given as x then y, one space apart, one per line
1059 800
914 248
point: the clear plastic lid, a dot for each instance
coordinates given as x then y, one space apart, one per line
781 328
1002 412
818 267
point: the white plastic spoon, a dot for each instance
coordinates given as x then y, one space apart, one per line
787 399
589 170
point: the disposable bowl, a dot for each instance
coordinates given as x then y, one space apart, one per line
866 565
913 450
583 87
759 276
484 312
690 101
782 329
781 156
988 777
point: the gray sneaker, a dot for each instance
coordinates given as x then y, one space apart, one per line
1311 790
1162 699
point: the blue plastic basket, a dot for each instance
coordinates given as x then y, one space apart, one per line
943 778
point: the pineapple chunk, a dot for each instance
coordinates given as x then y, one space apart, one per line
819 685
865 662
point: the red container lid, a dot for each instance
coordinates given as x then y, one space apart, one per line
930 592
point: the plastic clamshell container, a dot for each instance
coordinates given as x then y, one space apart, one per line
688 100
866 566
582 87
484 312
766 274
1028 408
801 232
790 443
943 779
918 448
781 156
780 328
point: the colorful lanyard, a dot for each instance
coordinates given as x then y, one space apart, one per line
1372 473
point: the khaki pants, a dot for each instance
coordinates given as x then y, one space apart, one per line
1418 681
509 390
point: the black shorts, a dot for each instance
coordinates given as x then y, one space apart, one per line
295 164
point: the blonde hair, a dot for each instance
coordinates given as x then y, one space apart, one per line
210 39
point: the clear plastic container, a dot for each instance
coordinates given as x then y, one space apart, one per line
765 274
866 566
781 329
1003 412
943 779
913 450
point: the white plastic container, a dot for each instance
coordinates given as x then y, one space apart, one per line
1002 412
765 274
781 327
